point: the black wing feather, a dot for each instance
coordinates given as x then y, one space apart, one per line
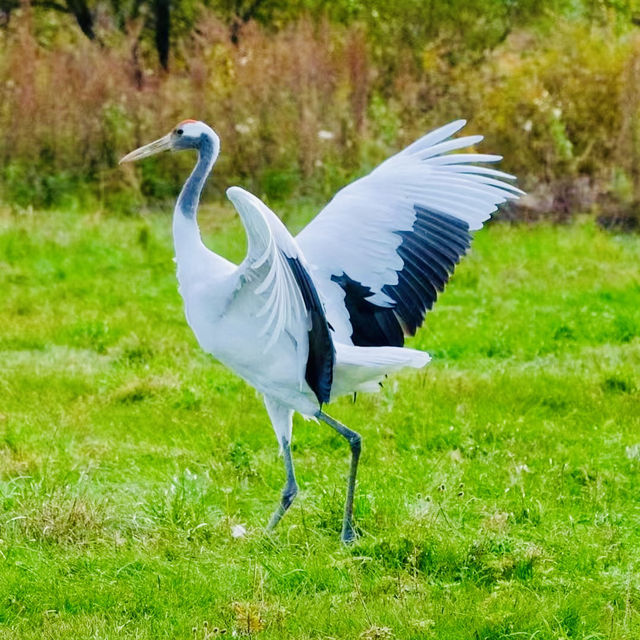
373 326
321 358
430 252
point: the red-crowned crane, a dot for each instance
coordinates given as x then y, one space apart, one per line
307 319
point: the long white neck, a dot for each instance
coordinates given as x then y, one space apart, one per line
186 234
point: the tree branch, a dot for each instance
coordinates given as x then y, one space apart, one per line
83 17
251 11
10 5
242 17
49 4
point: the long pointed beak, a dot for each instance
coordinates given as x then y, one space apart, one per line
163 144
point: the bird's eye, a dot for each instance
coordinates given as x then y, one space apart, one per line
179 132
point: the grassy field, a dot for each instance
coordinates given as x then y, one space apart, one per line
499 491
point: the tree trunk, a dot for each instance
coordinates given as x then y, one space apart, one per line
242 17
162 11
83 16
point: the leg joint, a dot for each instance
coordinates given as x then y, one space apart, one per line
355 442
288 495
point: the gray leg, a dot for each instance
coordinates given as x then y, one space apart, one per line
290 488
355 442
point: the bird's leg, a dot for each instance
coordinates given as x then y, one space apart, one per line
290 488
355 442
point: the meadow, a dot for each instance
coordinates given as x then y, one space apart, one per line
498 495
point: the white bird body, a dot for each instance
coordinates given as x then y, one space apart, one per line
223 308
307 319
228 338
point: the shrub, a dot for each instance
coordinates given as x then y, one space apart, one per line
303 109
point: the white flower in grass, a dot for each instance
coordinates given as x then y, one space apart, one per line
246 127
238 531
323 134
633 452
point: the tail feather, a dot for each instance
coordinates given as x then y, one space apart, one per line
362 368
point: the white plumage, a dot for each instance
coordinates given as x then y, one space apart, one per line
307 319
357 231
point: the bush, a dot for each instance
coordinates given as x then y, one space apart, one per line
305 108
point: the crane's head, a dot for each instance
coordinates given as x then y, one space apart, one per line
188 134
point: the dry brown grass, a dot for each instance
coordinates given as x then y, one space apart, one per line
303 109
14 463
65 520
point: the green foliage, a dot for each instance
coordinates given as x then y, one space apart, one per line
312 93
497 495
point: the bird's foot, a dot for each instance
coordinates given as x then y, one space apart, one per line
348 535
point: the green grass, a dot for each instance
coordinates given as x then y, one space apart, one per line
499 490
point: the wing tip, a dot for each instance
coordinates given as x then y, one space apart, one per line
236 193
470 141
451 128
243 199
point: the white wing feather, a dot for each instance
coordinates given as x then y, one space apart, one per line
357 232
265 268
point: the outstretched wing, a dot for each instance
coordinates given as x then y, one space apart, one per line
276 271
386 245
